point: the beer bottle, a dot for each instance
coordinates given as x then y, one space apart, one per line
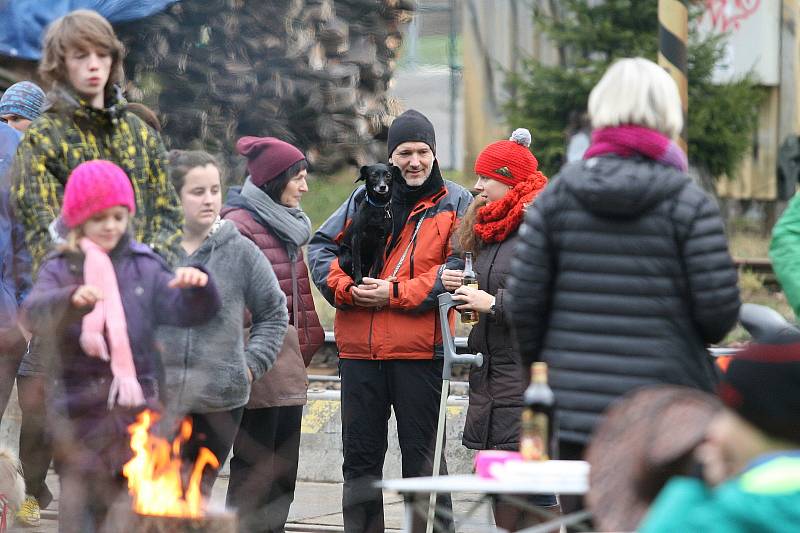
470 280
535 443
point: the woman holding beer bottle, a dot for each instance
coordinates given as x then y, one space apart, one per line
508 181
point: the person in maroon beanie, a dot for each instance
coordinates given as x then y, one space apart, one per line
266 210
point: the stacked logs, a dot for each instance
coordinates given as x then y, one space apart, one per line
312 72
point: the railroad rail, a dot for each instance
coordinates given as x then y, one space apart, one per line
314 528
758 265
321 371
323 368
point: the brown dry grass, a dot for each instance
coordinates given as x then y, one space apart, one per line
747 243
747 240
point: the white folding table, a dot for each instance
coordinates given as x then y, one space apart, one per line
550 477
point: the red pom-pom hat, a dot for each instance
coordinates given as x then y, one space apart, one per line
512 163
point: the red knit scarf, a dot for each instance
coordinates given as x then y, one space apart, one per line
497 220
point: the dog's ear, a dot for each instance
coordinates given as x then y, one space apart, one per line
362 174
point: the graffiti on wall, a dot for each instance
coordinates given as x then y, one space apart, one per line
752 43
728 15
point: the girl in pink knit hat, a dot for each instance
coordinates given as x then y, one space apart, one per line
93 310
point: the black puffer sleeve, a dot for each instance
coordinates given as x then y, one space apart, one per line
527 299
711 276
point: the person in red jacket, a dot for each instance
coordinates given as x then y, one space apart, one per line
267 211
387 330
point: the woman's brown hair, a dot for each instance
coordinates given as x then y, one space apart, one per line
466 238
182 161
274 187
81 29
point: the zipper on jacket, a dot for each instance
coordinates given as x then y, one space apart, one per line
371 325
411 259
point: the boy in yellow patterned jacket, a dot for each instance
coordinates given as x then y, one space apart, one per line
87 120
82 61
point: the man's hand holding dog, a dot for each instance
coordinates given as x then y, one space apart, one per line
372 292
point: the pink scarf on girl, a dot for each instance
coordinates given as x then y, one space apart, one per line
630 140
108 317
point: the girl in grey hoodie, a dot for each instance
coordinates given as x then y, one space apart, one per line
208 368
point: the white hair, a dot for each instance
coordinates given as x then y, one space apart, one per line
637 91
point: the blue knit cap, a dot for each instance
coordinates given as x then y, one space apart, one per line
24 99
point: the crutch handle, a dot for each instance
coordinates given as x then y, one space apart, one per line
468 359
451 357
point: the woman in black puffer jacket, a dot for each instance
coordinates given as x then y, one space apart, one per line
622 274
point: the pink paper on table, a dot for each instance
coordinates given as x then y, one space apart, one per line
485 459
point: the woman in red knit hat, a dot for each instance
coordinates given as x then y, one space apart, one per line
508 181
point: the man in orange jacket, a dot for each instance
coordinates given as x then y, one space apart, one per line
387 329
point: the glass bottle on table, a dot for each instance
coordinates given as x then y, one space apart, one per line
470 279
536 437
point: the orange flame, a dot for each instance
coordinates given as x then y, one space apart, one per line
154 473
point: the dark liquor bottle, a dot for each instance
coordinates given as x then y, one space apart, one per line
535 443
470 280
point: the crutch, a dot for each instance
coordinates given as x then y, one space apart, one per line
446 302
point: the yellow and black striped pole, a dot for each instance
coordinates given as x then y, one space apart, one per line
673 33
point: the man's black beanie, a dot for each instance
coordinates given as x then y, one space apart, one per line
411 126
762 384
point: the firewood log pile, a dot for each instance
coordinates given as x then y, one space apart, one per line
311 72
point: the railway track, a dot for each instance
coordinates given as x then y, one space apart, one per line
324 372
297 527
758 265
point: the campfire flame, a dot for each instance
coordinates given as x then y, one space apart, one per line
154 473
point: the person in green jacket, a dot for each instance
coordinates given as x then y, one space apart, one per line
751 458
88 119
784 251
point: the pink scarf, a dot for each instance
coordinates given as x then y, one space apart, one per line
629 140
108 317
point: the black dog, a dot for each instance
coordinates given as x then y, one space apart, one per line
362 248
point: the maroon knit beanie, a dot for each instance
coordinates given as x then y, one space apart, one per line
92 187
510 161
267 157
761 384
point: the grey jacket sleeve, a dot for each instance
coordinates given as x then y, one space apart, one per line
711 276
270 319
527 298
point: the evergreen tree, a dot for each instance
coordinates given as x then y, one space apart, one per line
589 36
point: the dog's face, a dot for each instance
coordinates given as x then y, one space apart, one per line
378 178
